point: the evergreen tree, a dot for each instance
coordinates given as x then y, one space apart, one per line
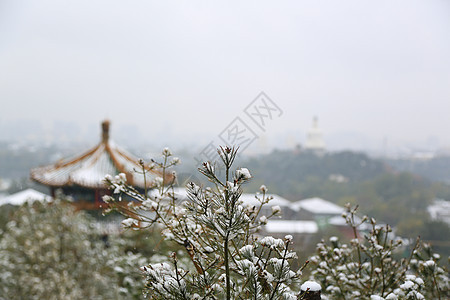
223 256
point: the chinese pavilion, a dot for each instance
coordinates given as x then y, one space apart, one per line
82 177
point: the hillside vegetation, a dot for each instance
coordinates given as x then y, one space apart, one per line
393 197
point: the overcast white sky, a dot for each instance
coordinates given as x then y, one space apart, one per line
378 69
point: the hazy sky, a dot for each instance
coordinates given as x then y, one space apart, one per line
379 69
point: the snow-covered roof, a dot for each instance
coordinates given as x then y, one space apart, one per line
5 183
180 193
89 169
340 221
291 226
319 206
440 210
24 196
250 199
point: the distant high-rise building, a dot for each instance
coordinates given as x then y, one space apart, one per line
314 139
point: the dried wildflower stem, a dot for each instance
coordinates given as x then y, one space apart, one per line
260 206
405 269
225 243
281 270
355 234
435 284
144 173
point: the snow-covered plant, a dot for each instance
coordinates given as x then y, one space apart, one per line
366 268
46 253
434 277
129 280
49 251
226 259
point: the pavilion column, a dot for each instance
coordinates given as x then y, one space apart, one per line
97 198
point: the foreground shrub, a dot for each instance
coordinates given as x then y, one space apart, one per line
366 268
222 256
48 251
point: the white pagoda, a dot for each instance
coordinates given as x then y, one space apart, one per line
314 139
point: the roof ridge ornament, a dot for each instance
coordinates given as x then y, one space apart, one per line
105 131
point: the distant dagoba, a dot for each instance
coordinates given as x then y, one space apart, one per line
314 139
82 176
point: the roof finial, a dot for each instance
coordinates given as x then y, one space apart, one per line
105 130
315 122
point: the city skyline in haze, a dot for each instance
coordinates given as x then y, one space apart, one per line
376 74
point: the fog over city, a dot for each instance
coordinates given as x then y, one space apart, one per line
376 74
224 149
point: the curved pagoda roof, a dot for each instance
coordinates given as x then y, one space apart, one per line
89 169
